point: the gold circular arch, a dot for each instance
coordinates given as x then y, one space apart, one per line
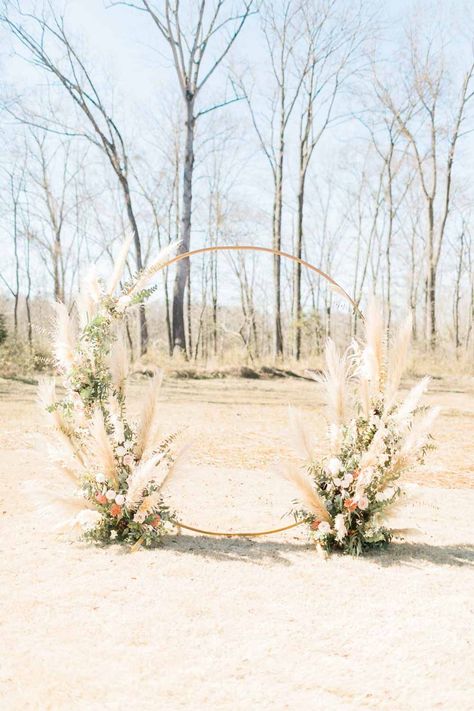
268 250
276 252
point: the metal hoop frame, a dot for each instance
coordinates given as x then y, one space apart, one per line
293 258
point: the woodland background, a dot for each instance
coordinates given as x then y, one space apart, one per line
337 130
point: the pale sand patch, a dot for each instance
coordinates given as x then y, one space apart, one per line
206 623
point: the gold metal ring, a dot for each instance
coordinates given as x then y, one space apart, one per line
293 258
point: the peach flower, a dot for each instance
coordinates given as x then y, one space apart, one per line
350 504
101 499
116 510
156 521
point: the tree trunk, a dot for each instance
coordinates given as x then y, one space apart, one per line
299 253
457 295
139 259
182 268
277 217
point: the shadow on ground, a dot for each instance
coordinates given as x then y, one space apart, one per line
280 552
461 554
241 549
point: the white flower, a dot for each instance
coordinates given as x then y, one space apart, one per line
128 444
100 478
113 535
111 494
128 460
334 466
120 451
139 517
363 502
347 480
120 499
324 527
385 495
87 518
340 527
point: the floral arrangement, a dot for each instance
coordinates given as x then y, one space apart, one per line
116 468
346 496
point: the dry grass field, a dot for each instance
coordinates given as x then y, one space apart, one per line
220 623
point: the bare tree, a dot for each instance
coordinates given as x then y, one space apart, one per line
330 45
15 189
433 140
283 29
196 56
70 70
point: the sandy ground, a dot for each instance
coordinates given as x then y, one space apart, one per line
222 623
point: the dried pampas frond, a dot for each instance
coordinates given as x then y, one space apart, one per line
104 449
64 337
161 477
419 433
64 433
375 349
119 265
398 361
148 422
176 467
303 438
404 412
149 503
88 297
149 272
144 474
335 379
308 496
52 502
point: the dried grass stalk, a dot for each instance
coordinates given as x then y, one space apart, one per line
335 379
375 349
145 473
119 265
307 494
64 344
303 438
398 361
148 422
147 274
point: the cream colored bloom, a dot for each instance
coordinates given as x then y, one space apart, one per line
347 480
324 527
334 466
87 518
111 494
340 527
120 499
100 478
363 502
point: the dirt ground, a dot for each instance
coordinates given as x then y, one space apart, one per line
218 623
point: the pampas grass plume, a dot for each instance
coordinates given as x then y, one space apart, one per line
302 437
64 337
398 360
147 274
148 423
307 494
